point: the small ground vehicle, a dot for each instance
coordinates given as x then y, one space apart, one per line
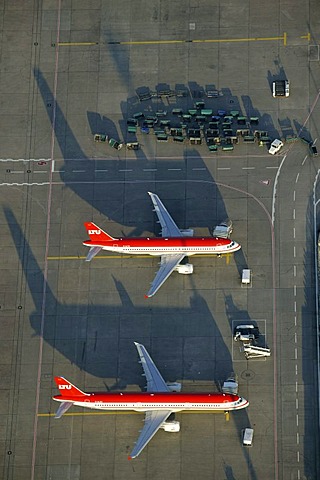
114 144
275 146
247 437
313 150
246 332
281 88
246 276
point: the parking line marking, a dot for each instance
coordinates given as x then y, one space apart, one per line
174 169
150 169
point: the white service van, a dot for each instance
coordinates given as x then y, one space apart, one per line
247 437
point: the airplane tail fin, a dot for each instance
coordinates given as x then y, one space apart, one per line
67 389
96 234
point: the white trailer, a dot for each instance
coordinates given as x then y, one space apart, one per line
247 437
246 276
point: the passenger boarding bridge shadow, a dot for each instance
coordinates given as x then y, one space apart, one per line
265 120
302 132
98 338
308 352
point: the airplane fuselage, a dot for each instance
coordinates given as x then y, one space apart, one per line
144 401
173 245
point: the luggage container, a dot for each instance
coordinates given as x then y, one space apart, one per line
246 276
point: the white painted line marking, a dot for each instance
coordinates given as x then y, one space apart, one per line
297 420
294 195
295 337
126 170
297 177
199 169
296 387
295 290
295 307
273 167
295 321
248 168
98 171
298 456
298 474
78 171
174 169
150 169
223 168
294 232
305 158
294 251
298 438
297 403
52 166
294 270
296 354
294 214
296 369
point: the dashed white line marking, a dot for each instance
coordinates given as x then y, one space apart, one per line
150 169
298 474
295 337
298 440
295 290
126 170
297 420
296 387
78 171
98 171
296 354
296 369
295 321
273 167
174 169
297 403
294 251
248 168
298 456
295 307
294 232
294 195
294 214
305 158
297 177
52 166
223 168
199 169
294 270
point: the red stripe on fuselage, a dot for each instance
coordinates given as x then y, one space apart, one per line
201 242
158 398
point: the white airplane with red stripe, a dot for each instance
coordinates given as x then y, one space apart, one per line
159 401
173 246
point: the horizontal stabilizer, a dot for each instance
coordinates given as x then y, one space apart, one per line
92 253
64 407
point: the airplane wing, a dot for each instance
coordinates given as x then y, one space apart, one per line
168 264
153 422
169 228
155 382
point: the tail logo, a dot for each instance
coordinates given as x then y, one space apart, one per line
64 387
94 232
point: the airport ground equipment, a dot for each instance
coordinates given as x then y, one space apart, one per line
281 88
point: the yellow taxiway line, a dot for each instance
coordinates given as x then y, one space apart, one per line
214 40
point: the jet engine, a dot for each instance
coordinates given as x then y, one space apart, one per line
174 387
186 269
171 427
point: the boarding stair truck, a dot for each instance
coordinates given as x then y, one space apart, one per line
252 351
